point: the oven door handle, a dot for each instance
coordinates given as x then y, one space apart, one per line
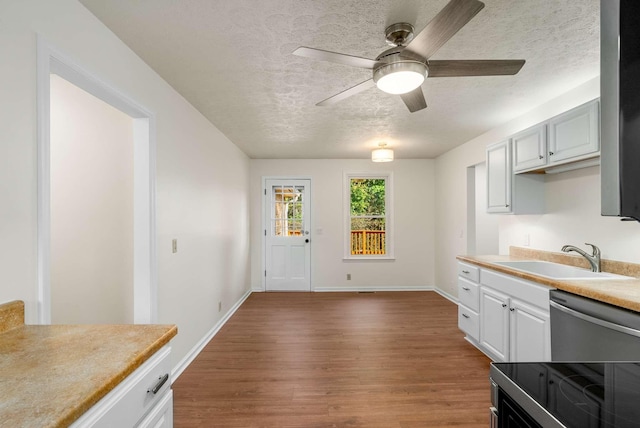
493 417
593 320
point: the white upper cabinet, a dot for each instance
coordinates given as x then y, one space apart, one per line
530 148
508 193
575 134
516 166
499 178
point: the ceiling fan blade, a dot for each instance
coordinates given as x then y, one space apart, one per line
453 68
348 92
448 22
319 54
414 100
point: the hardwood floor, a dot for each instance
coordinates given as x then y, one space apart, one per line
386 359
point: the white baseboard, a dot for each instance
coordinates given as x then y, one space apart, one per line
446 295
375 288
188 359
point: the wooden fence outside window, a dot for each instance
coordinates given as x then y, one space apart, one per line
368 242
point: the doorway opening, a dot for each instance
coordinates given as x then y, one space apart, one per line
137 294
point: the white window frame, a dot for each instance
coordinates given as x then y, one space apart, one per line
346 205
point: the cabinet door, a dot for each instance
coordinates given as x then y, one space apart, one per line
529 148
575 133
530 333
494 323
499 178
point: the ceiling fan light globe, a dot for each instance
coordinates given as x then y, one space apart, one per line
400 77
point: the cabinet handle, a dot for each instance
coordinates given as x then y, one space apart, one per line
512 309
540 157
161 382
465 315
550 153
506 205
504 305
466 288
466 271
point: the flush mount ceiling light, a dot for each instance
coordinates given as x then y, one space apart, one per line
400 77
382 154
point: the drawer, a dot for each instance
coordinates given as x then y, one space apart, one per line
161 416
471 272
469 294
527 291
468 321
133 398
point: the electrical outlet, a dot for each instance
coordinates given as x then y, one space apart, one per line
174 245
219 306
348 277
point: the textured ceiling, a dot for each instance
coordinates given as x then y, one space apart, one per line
232 60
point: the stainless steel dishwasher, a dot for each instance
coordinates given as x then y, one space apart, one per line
583 329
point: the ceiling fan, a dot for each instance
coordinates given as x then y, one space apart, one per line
403 68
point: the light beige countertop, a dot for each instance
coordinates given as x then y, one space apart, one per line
621 293
51 374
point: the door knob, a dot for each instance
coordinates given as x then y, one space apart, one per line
306 240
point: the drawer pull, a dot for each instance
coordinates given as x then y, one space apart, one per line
466 288
161 382
504 305
466 271
465 315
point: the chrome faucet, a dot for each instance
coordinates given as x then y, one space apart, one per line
594 260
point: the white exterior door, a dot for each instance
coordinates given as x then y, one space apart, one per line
287 239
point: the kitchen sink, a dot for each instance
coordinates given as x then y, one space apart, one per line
559 271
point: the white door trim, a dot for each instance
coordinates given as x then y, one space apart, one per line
263 265
50 60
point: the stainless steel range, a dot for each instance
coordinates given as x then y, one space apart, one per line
566 395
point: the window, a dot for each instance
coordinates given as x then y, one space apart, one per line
368 216
286 210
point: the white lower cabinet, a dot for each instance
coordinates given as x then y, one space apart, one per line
142 399
494 323
162 414
530 329
512 318
468 296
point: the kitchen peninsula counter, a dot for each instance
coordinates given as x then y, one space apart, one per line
622 293
51 374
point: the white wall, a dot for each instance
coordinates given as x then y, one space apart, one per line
572 216
451 199
487 226
202 178
413 223
91 158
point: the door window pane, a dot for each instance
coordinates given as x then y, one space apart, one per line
287 213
